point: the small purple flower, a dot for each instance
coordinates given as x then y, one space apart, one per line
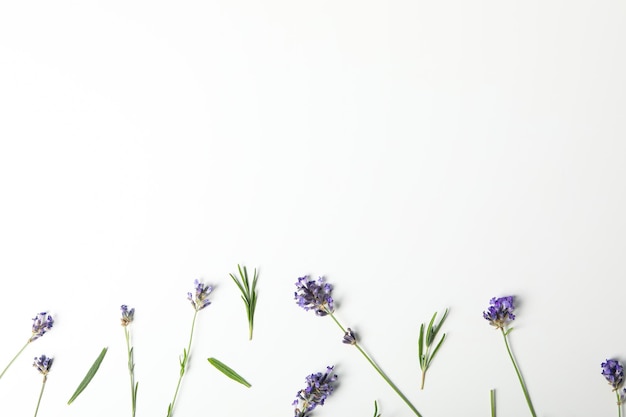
43 364
349 337
127 315
319 387
41 324
500 312
202 295
613 371
312 295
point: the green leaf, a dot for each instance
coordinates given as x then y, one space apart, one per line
90 374
229 372
421 347
376 409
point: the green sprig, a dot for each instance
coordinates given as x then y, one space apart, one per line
248 294
426 342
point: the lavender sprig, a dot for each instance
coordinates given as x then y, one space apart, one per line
613 371
500 314
128 315
43 364
319 387
316 296
41 324
198 302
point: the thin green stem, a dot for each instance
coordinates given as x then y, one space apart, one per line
619 403
492 398
131 371
14 358
43 385
183 366
379 370
519 374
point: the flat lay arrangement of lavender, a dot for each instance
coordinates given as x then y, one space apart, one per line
311 295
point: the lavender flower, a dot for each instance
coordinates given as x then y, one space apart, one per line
43 364
127 315
319 387
41 324
613 371
198 302
202 296
313 295
500 312
349 338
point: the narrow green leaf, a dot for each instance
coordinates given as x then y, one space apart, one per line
376 409
421 346
443 337
229 372
429 332
90 374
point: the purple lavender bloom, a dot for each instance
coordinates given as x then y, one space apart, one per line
319 387
349 337
313 295
43 364
202 295
41 324
500 311
127 315
613 371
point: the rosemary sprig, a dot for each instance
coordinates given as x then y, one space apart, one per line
426 343
248 294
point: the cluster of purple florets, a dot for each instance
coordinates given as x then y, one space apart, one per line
500 311
128 315
41 324
201 299
314 295
613 371
43 364
319 387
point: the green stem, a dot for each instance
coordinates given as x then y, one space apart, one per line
183 366
519 374
131 371
492 397
43 385
380 371
14 358
619 403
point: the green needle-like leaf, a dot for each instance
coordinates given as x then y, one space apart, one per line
376 414
90 374
228 371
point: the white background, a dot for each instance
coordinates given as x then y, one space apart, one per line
420 155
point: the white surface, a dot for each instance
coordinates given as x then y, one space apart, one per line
420 155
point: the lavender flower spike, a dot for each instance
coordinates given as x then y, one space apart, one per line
613 371
313 295
201 297
41 324
500 312
127 315
43 364
319 387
